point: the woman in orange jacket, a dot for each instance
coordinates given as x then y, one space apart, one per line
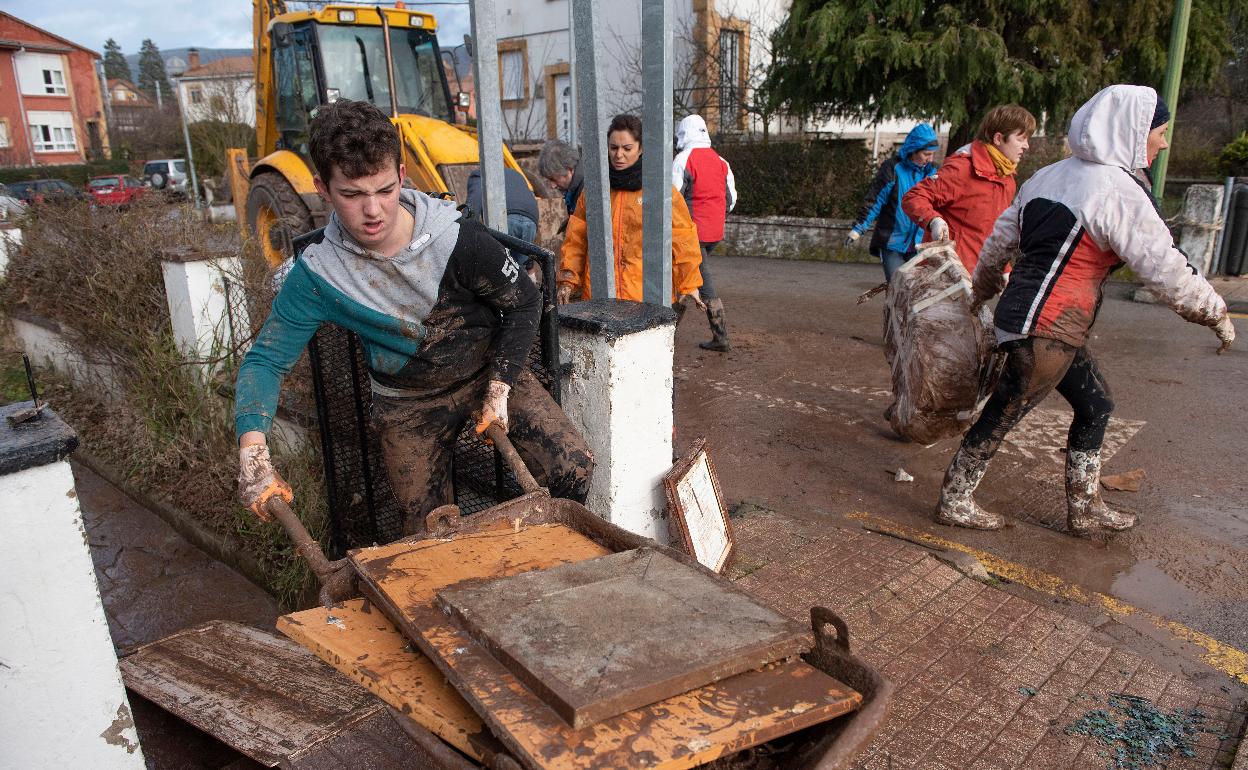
624 154
974 185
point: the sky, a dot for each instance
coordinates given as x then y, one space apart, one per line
179 23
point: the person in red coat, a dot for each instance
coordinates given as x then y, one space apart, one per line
974 185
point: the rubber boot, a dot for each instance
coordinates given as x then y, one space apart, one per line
957 506
1086 513
719 327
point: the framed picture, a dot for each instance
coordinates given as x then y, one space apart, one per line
696 515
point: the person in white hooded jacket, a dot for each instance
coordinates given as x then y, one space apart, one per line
1070 225
709 189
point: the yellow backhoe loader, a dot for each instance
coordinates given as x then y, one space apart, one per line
387 55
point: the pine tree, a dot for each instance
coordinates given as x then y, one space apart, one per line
152 71
955 60
115 64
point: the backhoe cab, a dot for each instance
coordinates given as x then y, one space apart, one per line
304 59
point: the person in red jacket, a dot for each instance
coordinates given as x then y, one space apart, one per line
706 182
974 185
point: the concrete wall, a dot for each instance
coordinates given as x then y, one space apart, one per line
62 703
791 238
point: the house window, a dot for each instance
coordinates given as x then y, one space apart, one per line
729 73
513 71
4 133
41 74
196 94
52 131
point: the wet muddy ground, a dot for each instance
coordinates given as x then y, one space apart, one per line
795 418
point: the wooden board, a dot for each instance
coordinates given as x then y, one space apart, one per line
604 636
680 732
377 741
265 696
363 644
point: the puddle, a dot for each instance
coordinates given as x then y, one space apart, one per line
1146 585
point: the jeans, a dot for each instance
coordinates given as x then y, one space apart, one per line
892 260
520 226
708 288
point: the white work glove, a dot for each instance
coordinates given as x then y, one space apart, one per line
494 405
939 229
1226 333
258 481
563 294
852 238
694 295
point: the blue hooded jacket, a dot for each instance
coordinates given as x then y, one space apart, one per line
882 204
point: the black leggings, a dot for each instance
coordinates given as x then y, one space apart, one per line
1034 367
708 288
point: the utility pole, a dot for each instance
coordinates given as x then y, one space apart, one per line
1170 89
656 163
591 103
186 135
489 112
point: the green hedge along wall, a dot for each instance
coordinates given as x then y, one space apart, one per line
824 178
76 175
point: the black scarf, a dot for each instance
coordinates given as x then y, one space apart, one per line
626 178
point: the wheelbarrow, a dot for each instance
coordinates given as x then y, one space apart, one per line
827 746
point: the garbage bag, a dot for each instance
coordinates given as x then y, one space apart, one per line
940 353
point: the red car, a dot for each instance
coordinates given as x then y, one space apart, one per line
114 190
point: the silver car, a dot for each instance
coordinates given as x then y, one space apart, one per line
168 174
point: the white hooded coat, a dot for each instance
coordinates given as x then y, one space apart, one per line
1076 220
703 178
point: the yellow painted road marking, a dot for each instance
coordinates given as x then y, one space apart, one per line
1238 315
1222 656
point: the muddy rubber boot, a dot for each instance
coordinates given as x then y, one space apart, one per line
957 506
719 327
1086 513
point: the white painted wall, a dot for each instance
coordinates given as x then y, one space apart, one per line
619 395
198 306
48 348
62 703
10 238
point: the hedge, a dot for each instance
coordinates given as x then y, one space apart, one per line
76 174
823 178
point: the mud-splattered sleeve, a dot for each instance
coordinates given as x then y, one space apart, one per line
296 315
483 266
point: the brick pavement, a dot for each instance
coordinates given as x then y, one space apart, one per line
965 656
1234 289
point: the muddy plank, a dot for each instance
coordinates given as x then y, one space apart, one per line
264 696
600 637
680 732
379 740
360 642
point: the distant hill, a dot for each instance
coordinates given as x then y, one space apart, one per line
175 58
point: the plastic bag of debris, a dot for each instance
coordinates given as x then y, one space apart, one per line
940 353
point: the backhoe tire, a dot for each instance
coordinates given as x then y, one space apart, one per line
275 215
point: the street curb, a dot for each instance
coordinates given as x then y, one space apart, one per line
223 548
1241 755
1145 296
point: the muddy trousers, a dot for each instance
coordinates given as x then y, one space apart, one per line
1034 367
714 305
418 437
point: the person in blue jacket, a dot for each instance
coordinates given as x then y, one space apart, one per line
896 237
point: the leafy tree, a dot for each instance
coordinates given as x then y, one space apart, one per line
152 71
115 64
955 60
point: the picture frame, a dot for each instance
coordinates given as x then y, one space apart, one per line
697 518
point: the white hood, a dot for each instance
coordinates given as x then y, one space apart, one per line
1112 127
691 132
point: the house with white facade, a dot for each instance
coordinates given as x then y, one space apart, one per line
223 89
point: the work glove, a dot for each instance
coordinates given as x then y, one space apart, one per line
852 238
694 295
494 406
258 481
1226 333
938 229
564 293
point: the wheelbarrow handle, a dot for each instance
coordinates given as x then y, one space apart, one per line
495 433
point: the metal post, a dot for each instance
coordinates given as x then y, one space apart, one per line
1170 90
489 111
590 63
573 129
190 156
656 159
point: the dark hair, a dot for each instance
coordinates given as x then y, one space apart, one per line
356 137
626 122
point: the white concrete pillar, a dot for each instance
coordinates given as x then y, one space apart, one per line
195 287
619 395
1202 208
62 702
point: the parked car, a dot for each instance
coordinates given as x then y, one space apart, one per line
10 206
168 174
46 191
115 190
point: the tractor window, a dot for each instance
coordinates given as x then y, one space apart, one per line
295 74
355 65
